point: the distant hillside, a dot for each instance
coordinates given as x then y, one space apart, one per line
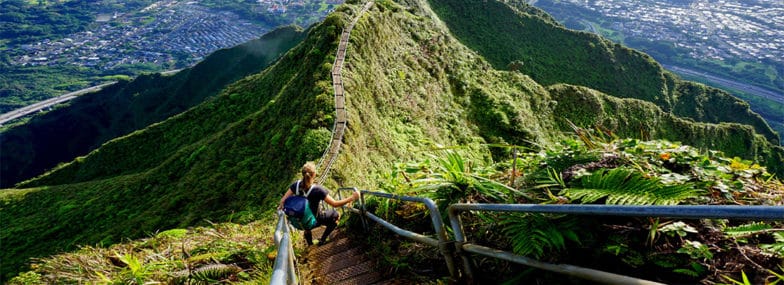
410 85
514 32
63 134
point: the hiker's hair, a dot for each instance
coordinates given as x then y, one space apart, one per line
308 174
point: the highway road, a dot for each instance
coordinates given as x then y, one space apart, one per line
21 112
754 90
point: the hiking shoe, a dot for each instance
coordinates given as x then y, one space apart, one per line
323 242
309 238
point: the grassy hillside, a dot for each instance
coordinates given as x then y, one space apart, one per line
511 36
206 163
63 134
410 86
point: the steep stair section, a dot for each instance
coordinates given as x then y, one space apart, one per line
341 115
340 261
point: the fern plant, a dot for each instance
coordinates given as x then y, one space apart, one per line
758 228
746 230
135 272
213 272
777 247
206 274
535 235
452 180
622 186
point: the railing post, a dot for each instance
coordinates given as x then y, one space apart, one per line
457 230
438 224
441 242
363 211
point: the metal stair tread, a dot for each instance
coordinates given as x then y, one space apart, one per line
366 278
341 260
346 273
322 252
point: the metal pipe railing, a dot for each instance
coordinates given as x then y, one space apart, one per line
686 211
284 271
435 216
581 272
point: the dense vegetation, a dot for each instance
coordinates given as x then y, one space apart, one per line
593 170
411 87
22 86
771 110
63 134
23 22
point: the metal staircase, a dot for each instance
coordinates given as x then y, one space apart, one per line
340 261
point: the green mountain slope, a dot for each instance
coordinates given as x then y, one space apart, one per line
91 120
410 85
513 31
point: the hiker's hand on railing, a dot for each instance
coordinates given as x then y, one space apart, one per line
355 195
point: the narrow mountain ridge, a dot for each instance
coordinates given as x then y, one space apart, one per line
410 86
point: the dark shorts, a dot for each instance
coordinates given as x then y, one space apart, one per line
327 217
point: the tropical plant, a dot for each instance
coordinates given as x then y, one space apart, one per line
627 187
746 230
742 232
207 274
534 235
453 180
777 247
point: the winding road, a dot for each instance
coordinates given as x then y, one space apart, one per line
21 112
754 90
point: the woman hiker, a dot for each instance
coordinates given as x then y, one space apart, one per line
316 194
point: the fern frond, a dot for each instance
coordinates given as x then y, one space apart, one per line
535 234
777 247
627 187
747 229
213 272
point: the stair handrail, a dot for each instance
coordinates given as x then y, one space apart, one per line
462 247
441 241
284 271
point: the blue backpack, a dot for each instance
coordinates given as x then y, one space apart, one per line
297 209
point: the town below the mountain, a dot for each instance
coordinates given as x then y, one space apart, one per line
165 31
717 30
50 48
